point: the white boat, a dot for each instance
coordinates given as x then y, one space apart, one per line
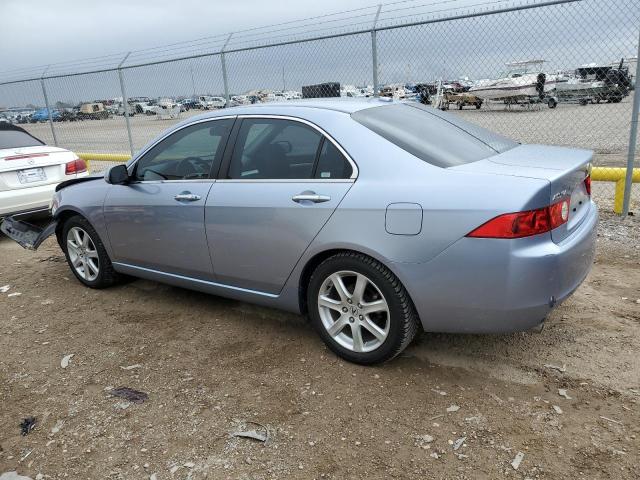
579 84
522 82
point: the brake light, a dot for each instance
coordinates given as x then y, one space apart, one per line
29 155
75 166
587 184
524 224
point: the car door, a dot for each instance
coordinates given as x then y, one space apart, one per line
278 187
157 220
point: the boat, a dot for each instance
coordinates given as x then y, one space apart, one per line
523 82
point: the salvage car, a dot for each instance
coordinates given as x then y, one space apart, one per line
30 171
375 218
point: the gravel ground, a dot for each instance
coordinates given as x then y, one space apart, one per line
452 406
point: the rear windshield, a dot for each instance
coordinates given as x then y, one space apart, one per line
440 139
17 139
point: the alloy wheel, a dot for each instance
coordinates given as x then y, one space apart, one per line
353 311
83 254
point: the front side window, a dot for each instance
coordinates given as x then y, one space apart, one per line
191 153
268 148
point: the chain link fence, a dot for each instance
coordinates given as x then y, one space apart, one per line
476 63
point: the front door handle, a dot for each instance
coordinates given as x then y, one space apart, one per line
187 197
310 197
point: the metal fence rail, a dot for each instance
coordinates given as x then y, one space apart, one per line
395 49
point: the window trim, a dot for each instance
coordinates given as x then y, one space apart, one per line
212 175
226 162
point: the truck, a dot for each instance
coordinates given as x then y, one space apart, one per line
322 90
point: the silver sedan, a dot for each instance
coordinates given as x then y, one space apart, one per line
373 218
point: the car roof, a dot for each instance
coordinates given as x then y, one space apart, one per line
344 105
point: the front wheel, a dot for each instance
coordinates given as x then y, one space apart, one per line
86 255
360 309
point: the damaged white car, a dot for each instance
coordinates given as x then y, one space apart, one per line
30 170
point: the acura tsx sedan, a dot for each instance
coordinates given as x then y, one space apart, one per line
374 218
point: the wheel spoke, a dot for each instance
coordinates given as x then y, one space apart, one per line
336 279
358 291
85 239
73 247
337 327
77 237
77 262
374 329
92 254
356 334
93 269
373 307
85 269
327 302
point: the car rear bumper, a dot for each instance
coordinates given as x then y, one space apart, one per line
497 286
26 199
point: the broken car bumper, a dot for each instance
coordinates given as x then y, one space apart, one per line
27 235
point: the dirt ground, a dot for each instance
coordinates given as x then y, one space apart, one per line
452 406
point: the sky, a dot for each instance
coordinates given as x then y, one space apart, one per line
76 29
566 36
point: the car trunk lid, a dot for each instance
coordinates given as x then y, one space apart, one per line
32 166
564 168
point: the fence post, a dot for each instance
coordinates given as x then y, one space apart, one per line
224 70
633 137
125 102
374 52
46 102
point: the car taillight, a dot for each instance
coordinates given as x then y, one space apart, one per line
524 224
75 166
587 184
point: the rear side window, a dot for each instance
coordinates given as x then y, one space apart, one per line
17 139
331 163
274 149
436 138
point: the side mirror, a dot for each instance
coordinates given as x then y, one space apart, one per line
117 175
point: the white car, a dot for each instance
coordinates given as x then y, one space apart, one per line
31 170
209 102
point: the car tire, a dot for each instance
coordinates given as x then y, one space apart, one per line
86 255
383 333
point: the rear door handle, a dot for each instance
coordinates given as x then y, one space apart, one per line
187 197
310 197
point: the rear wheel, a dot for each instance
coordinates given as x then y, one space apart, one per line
86 255
360 309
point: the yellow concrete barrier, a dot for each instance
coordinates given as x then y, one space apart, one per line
617 175
103 157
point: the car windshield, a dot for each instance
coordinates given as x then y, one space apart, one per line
17 139
443 140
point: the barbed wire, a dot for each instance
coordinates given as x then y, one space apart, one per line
291 30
